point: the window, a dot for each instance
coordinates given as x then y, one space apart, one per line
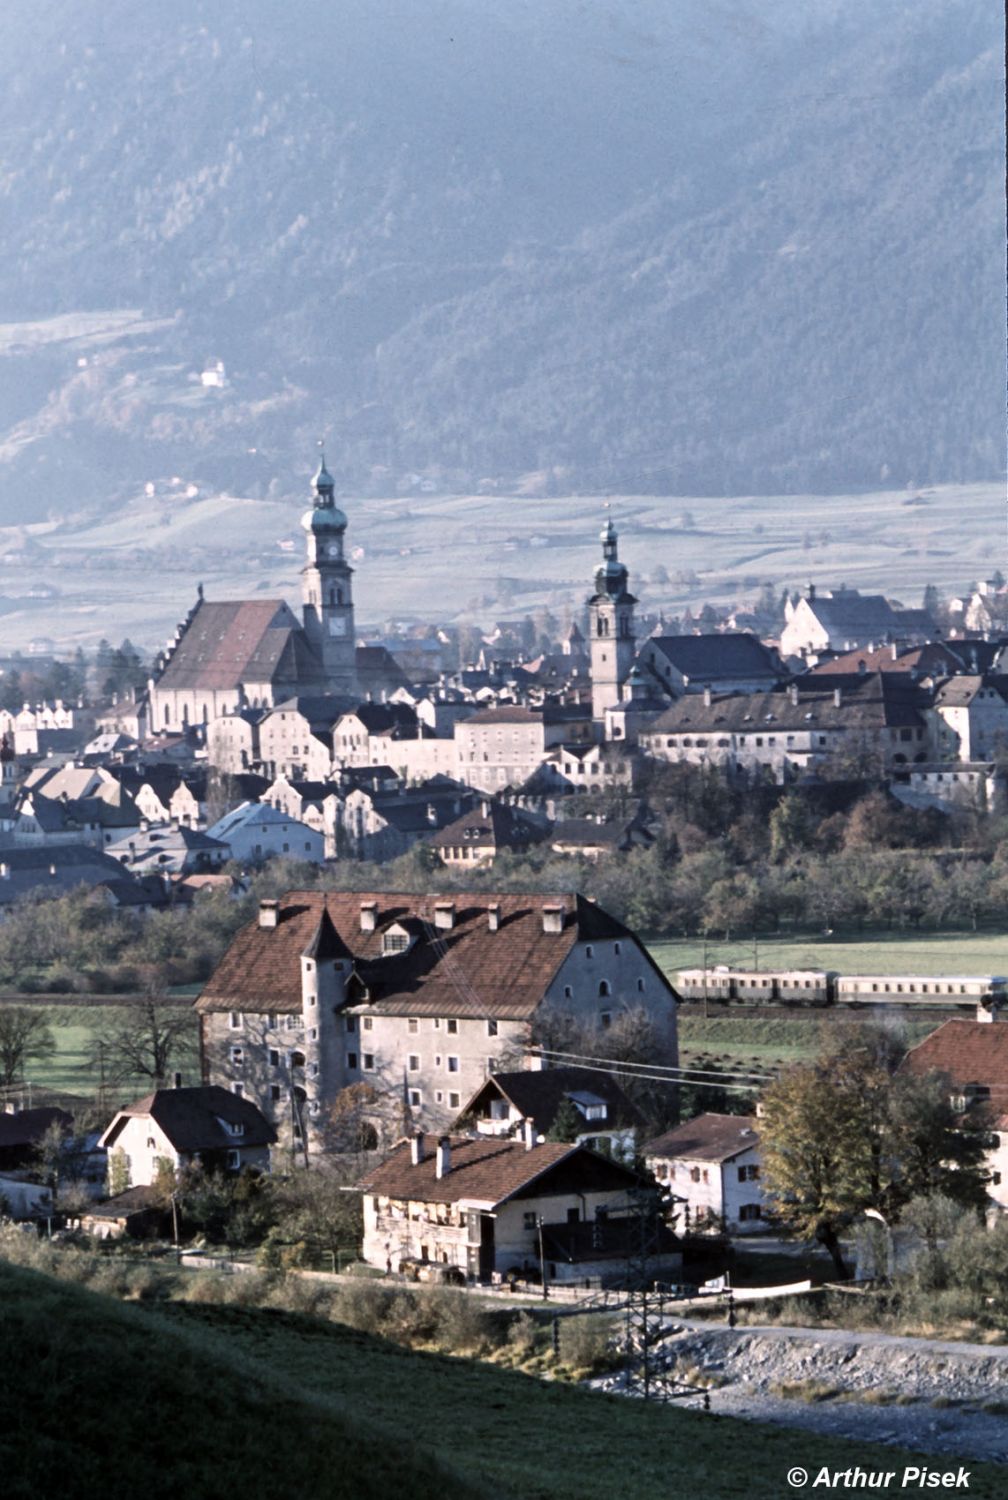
151 1143
748 1174
605 1020
453 1064
616 949
236 1056
438 1096
453 1101
351 1023
491 1028
351 1059
235 1020
271 1020
530 1220
437 1023
414 1063
291 1023
233 1160
604 989
452 1027
750 1211
640 986
415 1097
568 992
367 1061
589 951
694 1174
413 1024
395 942
367 1023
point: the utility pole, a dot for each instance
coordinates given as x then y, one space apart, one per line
705 1010
542 1259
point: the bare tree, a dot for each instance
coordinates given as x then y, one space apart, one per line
25 1036
145 1040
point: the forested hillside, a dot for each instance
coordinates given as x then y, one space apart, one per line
704 248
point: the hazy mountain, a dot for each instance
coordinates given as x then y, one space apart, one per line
700 247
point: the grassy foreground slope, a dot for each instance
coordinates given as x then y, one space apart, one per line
98 1398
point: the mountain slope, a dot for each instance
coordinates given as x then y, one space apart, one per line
705 248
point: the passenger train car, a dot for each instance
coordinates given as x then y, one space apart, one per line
826 987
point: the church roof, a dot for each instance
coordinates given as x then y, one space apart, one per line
241 640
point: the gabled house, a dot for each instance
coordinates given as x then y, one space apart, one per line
208 1126
495 1208
591 1098
256 830
712 1164
729 663
478 836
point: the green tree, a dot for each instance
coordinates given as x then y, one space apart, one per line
567 1123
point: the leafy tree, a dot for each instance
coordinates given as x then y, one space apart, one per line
25 1036
314 1209
846 1132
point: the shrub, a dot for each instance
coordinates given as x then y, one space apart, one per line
585 1343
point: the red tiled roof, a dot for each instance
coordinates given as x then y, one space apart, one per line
709 1137
968 1051
485 1170
465 971
236 641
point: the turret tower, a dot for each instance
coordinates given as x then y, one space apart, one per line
327 590
611 613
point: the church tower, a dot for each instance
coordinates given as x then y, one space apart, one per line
327 590
611 613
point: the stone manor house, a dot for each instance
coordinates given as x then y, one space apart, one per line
416 998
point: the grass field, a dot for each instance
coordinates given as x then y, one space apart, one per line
745 1039
72 1070
883 952
214 1401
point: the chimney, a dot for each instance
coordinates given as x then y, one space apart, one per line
443 1161
552 918
368 916
416 1148
793 694
811 593
176 1080
529 1133
708 696
269 913
444 915
494 916
4 870
895 651
837 697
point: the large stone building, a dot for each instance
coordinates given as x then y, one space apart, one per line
415 999
229 656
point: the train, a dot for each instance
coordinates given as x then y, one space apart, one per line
827 987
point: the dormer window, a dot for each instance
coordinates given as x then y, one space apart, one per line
395 940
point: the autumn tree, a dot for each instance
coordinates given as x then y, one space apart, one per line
847 1132
25 1036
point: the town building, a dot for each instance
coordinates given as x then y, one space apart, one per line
597 1110
417 997
711 1164
493 1210
257 831
208 1127
229 656
972 1059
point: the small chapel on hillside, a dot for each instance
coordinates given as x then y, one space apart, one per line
254 653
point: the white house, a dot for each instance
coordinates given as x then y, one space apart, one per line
210 1126
712 1163
256 830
